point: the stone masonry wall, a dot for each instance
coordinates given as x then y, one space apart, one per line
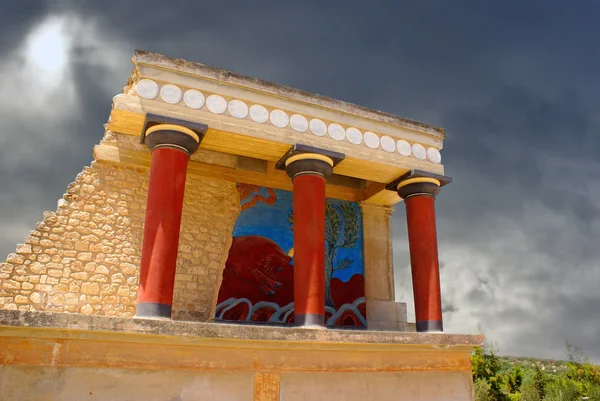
85 257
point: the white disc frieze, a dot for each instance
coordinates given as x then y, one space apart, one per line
299 123
171 94
403 147
147 88
318 127
388 143
336 131
419 151
237 108
259 113
279 118
354 136
434 155
216 104
193 99
371 139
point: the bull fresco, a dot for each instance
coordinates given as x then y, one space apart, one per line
258 279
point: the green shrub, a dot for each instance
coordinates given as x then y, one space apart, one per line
529 392
563 390
481 390
514 380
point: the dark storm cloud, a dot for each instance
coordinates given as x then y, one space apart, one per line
17 19
514 84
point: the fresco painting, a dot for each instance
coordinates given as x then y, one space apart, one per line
258 279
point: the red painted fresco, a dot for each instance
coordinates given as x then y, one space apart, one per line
346 293
251 192
258 270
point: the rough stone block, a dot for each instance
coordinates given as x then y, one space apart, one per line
15 258
90 288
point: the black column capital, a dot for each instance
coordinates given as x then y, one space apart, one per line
417 182
166 132
309 163
302 159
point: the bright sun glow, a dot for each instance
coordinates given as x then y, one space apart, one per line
47 47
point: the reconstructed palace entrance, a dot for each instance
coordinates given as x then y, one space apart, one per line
227 235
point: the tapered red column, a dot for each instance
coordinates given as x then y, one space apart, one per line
308 172
419 197
171 147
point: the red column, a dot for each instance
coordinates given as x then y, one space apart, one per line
308 172
163 219
422 239
309 250
419 197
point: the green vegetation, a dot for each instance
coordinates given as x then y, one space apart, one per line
499 378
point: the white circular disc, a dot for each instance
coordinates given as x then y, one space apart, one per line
299 123
171 94
147 88
237 108
193 99
371 139
336 131
403 147
259 113
279 118
354 135
388 144
419 151
434 155
317 127
216 104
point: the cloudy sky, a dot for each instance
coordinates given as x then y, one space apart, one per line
515 84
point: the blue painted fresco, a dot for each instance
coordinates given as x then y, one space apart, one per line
258 277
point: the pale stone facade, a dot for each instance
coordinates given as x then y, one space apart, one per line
85 257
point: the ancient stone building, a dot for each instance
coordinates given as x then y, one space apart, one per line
231 241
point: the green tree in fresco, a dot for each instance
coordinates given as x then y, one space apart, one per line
341 231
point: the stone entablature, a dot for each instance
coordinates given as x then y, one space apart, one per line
255 119
243 109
